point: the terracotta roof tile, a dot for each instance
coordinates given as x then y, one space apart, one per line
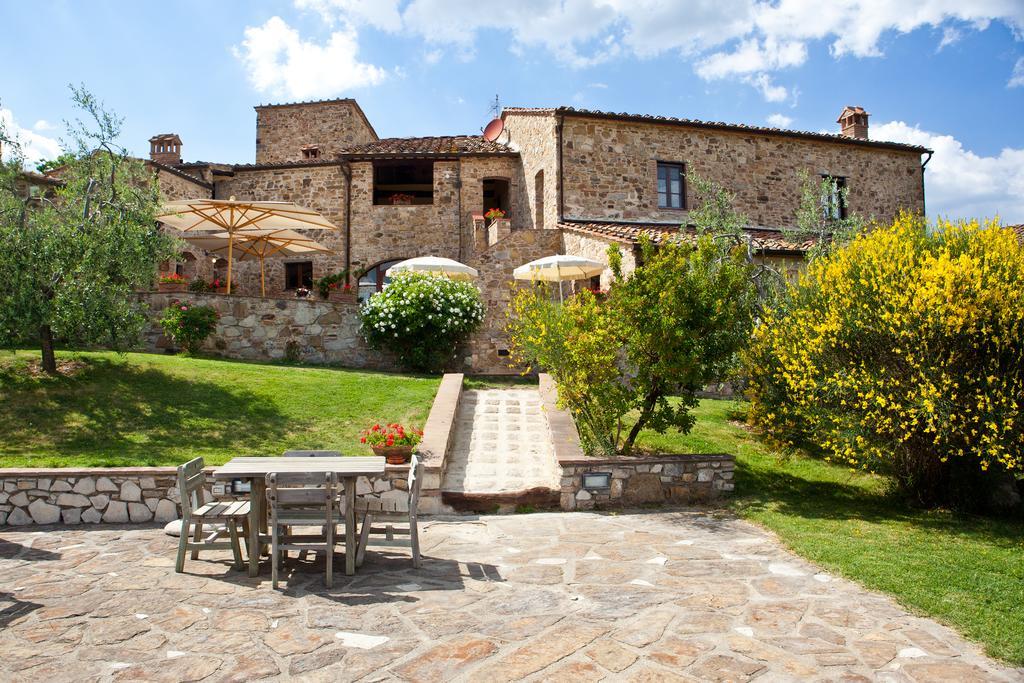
444 145
1018 230
769 239
719 125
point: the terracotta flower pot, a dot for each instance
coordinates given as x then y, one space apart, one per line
395 455
337 296
173 286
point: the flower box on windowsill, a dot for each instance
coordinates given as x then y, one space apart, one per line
401 202
172 287
221 290
340 297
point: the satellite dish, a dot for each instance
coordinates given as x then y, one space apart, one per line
493 130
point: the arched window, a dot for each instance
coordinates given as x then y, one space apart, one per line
374 279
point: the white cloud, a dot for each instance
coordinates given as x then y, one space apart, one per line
745 40
43 125
960 183
752 56
34 146
1017 77
769 90
779 120
278 61
382 14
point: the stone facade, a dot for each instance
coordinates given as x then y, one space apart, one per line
257 328
485 352
560 165
596 248
283 130
535 136
319 186
609 171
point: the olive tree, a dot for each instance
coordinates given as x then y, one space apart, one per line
73 257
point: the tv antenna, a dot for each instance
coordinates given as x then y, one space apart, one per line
495 108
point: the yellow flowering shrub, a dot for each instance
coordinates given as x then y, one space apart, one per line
903 352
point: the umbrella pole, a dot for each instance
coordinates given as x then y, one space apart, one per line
263 288
230 240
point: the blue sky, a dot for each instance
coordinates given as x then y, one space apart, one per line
930 72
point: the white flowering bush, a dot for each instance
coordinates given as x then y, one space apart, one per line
422 318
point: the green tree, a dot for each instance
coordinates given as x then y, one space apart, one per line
51 164
73 260
673 326
820 216
687 311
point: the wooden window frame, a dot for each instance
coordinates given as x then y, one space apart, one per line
842 186
289 266
683 204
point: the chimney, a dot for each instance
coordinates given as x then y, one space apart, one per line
165 149
853 123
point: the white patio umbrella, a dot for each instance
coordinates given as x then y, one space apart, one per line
559 268
434 264
234 217
258 244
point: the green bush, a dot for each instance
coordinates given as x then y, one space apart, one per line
188 325
328 283
903 353
673 326
422 318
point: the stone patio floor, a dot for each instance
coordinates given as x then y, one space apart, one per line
555 597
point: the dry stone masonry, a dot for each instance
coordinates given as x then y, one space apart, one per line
62 496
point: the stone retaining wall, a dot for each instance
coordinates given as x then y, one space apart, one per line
74 496
682 479
255 328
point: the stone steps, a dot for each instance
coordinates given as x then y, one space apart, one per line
501 452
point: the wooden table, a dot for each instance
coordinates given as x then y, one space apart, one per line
255 470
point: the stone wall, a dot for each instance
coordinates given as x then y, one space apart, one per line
673 479
596 248
386 232
316 186
283 130
71 496
150 494
609 171
495 266
254 328
174 186
534 135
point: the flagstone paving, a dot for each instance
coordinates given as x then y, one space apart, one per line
659 596
502 443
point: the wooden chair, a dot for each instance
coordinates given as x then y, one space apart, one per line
373 511
195 511
303 499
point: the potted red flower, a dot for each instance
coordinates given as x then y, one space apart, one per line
173 282
494 215
393 441
401 199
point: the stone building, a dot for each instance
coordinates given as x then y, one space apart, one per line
571 181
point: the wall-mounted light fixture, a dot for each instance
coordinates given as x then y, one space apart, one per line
597 480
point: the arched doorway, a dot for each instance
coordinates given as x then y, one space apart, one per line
374 279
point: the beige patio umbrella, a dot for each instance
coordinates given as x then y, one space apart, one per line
559 268
234 217
438 265
258 244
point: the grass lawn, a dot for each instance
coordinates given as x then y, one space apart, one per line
966 571
143 409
